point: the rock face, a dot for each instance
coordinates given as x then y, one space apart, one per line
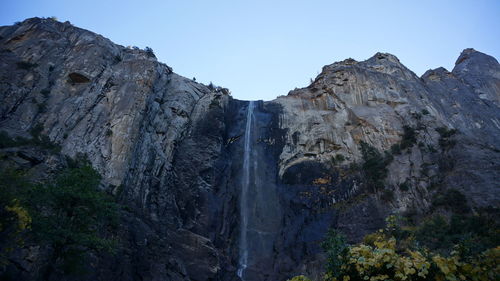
155 137
373 101
172 150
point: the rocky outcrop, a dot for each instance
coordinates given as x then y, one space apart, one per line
153 135
373 102
171 150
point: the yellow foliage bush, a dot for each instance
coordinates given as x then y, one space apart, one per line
23 217
300 278
383 257
383 262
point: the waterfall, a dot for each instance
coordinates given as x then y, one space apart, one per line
245 183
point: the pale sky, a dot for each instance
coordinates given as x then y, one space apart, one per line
263 49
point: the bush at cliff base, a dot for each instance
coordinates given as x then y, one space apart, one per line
382 262
397 254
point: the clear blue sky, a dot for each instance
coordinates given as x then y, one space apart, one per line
262 49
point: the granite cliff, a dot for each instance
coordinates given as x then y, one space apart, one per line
171 150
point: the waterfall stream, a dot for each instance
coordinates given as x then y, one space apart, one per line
245 183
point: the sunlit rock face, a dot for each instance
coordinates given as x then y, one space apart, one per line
372 101
172 150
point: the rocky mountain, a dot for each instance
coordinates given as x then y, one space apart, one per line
221 189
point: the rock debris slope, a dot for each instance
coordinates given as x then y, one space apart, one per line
172 150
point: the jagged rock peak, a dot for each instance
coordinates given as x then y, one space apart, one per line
436 74
344 73
471 53
380 62
465 54
475 61
378 58
349 61
40 31
480 72
381 57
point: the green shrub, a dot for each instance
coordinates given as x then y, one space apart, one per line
432 233
446 134
73 199
353 167
14 217
42 140
214 104
417 115
7 141
69 213
374 165
469 235
409 137
407 141
425 112
38 139
383 261
396 253
150 52
396 149
339 158
336 250
452 200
